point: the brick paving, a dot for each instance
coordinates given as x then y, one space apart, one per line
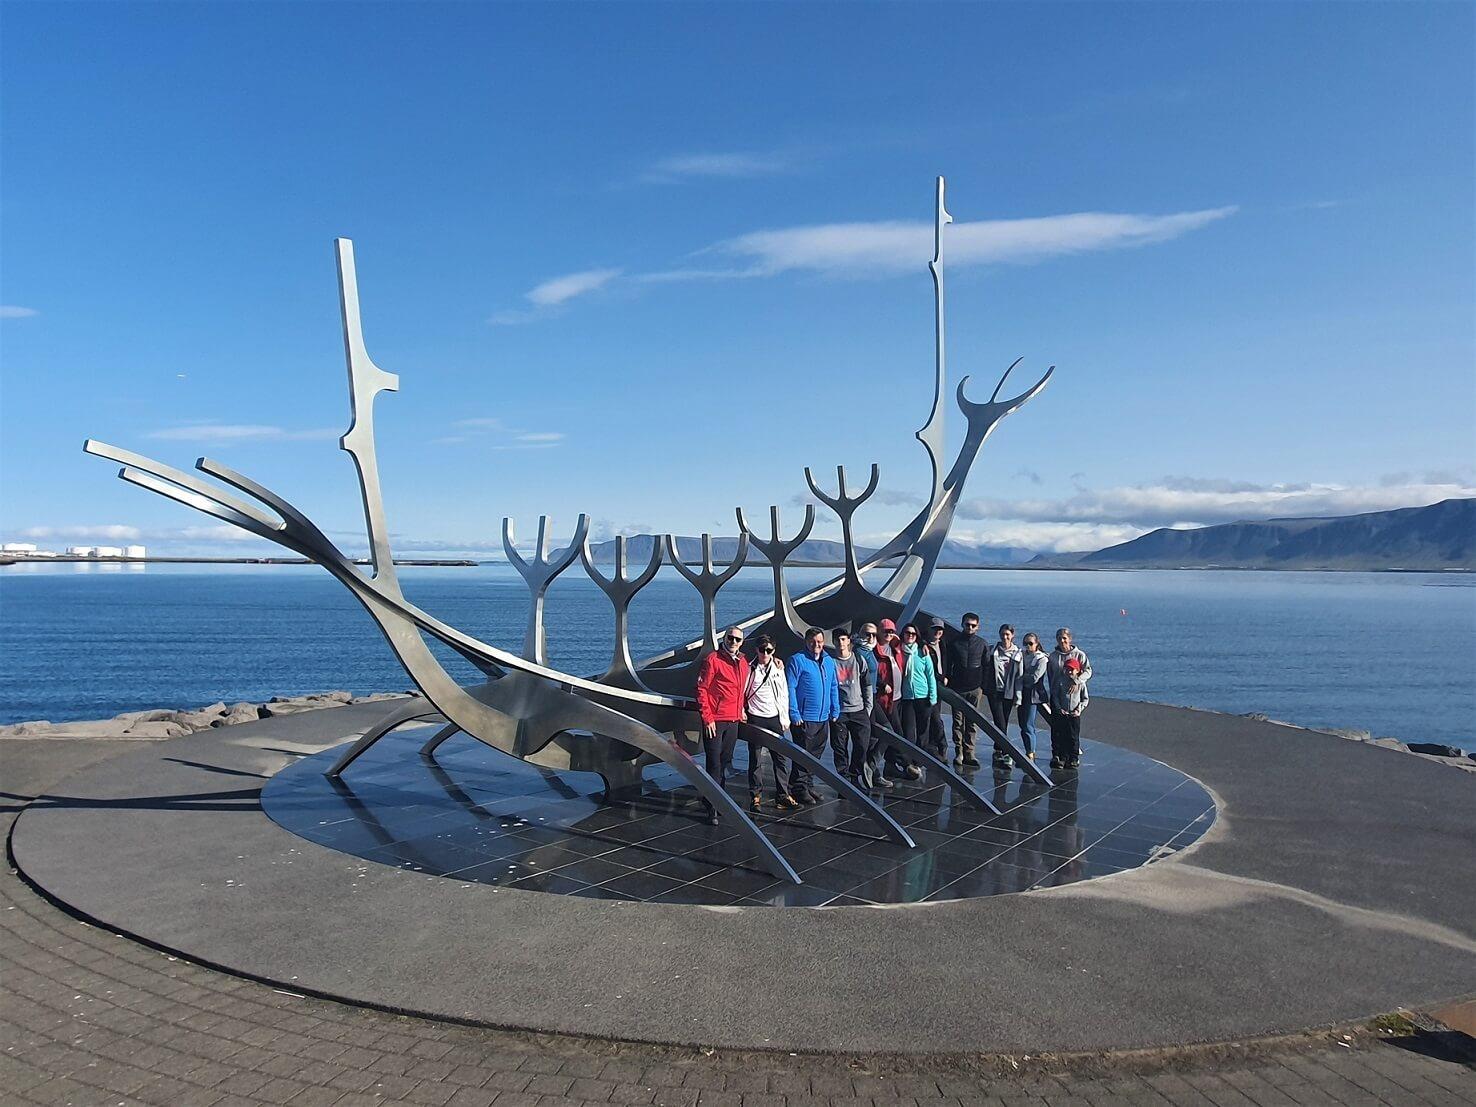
91 1018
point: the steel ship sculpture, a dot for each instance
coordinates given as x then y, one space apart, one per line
634 714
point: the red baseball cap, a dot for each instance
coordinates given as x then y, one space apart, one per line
887 624
1073 665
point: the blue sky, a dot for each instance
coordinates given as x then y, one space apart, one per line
649 261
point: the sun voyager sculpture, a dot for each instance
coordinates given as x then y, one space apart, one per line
635 714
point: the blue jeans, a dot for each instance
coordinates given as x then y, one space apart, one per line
1025 713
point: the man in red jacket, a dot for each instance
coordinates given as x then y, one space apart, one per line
720 683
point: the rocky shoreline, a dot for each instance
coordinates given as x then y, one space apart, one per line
162 723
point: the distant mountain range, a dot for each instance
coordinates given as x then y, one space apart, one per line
1441 536
815 551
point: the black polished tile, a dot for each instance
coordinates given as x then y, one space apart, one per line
477 815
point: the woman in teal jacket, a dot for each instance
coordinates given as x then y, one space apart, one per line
918 689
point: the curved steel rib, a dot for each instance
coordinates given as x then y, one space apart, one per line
769 740
415 708
776 549
538 572
845 509
439 737
708 583
621 591
986 724
957 782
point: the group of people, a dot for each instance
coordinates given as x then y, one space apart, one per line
882 677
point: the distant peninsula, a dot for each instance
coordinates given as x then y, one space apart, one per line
1435 538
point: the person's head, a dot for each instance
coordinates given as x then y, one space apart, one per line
866 636
887 636
1063 639
1006 634
763 649
909 635
935 630
1032 642
815 641
970 623
843 643
1072 667
733 640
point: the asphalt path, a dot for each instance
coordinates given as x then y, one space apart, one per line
1335 884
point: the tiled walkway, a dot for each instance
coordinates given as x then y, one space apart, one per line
89 1018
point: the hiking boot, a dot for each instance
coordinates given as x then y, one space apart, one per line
913 773
756 802
786 803
971 762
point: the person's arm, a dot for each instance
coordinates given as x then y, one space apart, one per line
932 683
704 692
791 676
781 699
833 689
868 689
1086 669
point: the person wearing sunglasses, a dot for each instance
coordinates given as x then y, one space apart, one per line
1004 668
965 675
814 705
888 705
721 679
864 645
918 689
853 729
766 702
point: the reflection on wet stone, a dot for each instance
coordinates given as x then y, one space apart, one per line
478 816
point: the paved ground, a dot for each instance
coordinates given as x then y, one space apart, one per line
1336 883
90 1018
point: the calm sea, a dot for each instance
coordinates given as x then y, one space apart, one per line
1391 653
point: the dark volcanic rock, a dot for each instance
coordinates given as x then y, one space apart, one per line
1435 749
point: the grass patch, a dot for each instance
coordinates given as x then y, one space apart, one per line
1393 1024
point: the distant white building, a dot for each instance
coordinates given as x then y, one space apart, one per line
80 551
133 551
107 551
18 547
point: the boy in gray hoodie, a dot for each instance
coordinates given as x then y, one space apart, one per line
1067 673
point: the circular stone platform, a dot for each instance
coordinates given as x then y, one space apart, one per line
1334 883
475 814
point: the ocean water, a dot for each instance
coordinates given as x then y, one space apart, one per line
1390 653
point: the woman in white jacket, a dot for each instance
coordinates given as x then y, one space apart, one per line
1002 681
766 702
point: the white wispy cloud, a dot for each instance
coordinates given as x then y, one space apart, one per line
554 293
492 433
724 165
116 531
883 249
15 311
1049 537
886 248
240 432
1180 501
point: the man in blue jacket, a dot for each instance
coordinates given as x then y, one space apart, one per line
814 703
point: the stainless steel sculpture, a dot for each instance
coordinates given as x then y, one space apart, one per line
635 714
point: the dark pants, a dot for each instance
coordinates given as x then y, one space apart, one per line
964 728
855 725
999 711
755 752
917 715
937 735
896 764
1065 737
812 737
717 751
